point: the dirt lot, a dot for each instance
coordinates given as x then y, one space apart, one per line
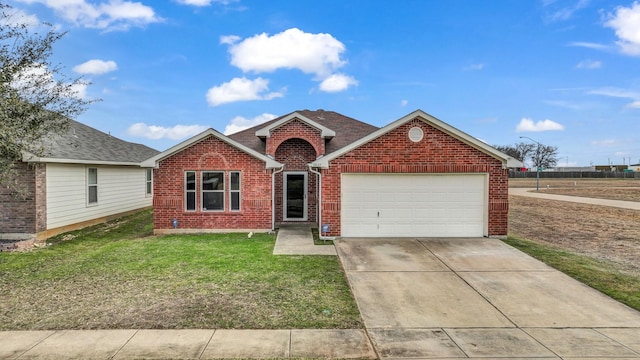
615 189
601 232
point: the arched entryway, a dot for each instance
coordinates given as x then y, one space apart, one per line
296 189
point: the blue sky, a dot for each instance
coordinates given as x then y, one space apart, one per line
562 72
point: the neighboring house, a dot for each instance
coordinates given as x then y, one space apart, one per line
86 177
417 176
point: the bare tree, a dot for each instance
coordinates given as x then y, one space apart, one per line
539 155
36 98
544 156
519 151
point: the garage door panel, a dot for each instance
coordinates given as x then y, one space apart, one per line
413 205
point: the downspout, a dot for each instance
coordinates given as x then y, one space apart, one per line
273 197
319 203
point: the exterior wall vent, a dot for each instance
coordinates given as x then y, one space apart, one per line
416 134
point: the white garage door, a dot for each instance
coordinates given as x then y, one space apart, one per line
408 205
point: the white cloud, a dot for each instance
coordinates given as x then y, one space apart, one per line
80 90
616 92
589 45
473 67
240 123
589 64
204 2
527 124
109 15
229 39
154 132
626 23
195 2
619 93
605 143
404 102
634 105
317 54
17 17
240 89
39 74
96 67
564 13
337 82
291 49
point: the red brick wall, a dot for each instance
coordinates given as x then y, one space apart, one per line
212 154
295 154
295 129
29 215
436 153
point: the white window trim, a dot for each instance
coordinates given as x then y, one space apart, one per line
89 185
223 191
194 191
239 191
148 183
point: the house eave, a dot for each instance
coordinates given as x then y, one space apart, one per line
325 132
506 160
154 161
31 158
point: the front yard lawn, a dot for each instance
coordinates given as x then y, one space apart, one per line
108 277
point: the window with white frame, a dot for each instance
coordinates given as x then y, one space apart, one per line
234 191
212 190
190 190
92 186
149 182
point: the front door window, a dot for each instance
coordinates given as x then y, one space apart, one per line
295 199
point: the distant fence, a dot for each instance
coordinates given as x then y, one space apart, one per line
575 174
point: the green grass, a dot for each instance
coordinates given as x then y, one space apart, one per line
600 275
116 276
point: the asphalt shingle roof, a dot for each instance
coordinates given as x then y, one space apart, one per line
348 130
82 142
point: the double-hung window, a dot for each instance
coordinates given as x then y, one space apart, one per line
149 182
213 191
190 190
213 187
92 186
234 191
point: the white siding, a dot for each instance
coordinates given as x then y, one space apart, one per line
120 189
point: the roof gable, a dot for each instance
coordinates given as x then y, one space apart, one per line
508 161
153 162
347 130
325 132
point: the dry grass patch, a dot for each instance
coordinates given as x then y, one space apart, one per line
601 232
598 245
613 189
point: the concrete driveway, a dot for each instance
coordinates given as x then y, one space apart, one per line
461 298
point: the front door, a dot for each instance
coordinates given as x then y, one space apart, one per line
295 196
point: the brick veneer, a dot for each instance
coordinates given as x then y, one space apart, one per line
438 152
296 144
295 129
295 154
212 154
25 216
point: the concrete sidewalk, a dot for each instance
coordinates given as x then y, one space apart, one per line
185 344
633 205
297 240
